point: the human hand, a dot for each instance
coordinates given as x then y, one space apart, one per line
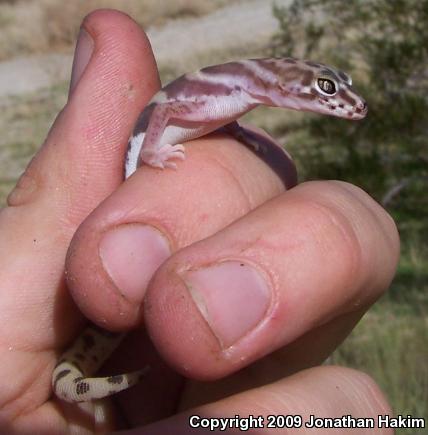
313 259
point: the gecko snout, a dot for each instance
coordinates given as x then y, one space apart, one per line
362 105
361 108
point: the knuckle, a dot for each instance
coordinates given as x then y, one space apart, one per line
354 230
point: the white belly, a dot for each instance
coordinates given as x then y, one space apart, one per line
175 134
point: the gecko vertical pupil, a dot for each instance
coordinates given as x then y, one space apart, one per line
327 86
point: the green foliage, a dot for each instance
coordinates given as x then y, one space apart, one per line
384 45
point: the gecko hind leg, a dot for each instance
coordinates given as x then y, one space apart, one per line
243 135
267 149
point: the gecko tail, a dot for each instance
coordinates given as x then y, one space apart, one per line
70 385
72 378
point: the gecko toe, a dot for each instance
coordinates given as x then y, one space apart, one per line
161 158
170 165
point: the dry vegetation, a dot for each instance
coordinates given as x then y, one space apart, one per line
24 122
35 26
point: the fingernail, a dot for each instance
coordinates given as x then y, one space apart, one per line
232 296
82 55
130 255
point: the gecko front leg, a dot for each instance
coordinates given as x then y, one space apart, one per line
157 154
188 119
153 152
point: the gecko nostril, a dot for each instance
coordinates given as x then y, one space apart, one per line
361 107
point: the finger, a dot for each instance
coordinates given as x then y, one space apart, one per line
84 149
323 392
305 264
79 164
116 250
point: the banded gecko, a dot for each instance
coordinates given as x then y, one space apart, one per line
189 107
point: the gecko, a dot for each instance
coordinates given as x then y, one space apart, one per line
189 107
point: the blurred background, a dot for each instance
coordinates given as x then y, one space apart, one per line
382 44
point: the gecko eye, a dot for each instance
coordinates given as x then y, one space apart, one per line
326 86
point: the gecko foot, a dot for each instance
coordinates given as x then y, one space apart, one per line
161 157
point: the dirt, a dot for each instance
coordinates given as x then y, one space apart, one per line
227 29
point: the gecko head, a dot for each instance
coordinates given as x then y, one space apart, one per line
322 89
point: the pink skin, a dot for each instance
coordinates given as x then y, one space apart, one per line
219 183
196 104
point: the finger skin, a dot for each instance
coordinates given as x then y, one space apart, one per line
78 166
325 250
219 181
324 392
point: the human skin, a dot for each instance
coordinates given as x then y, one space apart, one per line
76 243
